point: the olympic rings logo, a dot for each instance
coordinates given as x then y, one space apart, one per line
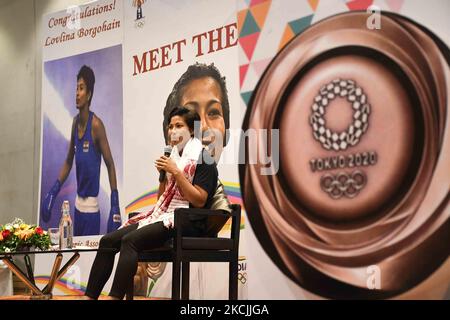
343 184
242 277
356 96
139 23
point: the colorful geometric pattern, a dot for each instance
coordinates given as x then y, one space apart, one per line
313 4
395 5
250 23
259 41
293 28
246 96
392 5
250 26
359 4
242 72
248 44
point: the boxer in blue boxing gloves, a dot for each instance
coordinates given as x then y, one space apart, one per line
114 220
49 201
88 144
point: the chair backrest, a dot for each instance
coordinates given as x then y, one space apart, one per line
219 202
215 223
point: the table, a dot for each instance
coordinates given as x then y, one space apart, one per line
56 274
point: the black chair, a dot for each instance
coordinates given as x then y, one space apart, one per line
182 250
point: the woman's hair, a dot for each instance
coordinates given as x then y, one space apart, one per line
189 116
89 78
193 72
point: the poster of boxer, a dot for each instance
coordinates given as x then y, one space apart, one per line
172 59
82 132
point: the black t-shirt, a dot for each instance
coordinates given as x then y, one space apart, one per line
206 176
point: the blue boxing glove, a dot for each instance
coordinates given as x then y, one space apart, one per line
114 220
49 201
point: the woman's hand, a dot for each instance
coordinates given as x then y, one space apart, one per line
166 164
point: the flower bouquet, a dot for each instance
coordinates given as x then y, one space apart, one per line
19 236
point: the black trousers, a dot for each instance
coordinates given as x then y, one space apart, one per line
130 241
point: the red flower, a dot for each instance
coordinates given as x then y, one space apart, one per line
6 233
39 231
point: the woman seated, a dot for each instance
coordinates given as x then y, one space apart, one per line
191 180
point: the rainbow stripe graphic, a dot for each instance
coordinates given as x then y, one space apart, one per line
147 199
69 288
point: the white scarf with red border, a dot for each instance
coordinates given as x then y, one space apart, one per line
172 197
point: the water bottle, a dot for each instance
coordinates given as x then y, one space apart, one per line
65 227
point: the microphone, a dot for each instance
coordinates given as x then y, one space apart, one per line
167 152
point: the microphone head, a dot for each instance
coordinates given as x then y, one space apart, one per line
168 149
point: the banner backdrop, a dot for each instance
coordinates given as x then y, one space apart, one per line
345 217
357 206
158 48
148 46
88 35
